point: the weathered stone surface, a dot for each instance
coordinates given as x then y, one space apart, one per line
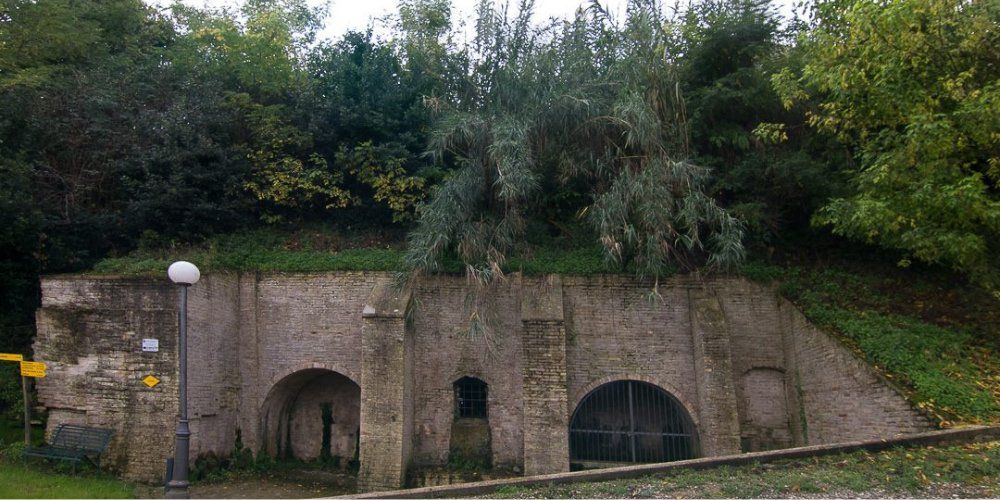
713 368
470 442
387 379
446 349
546 432
269 350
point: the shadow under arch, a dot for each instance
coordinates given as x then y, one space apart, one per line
311 414
630 421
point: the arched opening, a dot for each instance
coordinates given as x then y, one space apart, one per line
471 398
471 439
313 414
629 421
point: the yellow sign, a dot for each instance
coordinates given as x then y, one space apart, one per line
32 369
151 381
11 357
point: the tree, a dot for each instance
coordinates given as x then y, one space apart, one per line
257 60
767 166
912 85
369 118
586 104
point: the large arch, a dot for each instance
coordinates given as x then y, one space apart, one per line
630 421
310 414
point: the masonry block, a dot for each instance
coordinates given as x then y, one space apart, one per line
386 394
720 427
546 426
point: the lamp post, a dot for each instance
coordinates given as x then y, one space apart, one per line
184 274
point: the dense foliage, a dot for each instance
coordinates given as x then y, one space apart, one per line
657 140
590 109
912 85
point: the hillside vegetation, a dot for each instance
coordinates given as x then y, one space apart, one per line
934 338
710 136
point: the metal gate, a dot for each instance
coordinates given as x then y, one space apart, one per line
629 422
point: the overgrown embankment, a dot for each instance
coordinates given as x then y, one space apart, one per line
320 249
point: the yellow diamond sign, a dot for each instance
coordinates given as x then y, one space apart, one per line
151 381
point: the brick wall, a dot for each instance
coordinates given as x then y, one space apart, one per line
720 432
387 389
446 349
546 425
746 366
616 331
842 398
90 333
759 366
213 383
294 322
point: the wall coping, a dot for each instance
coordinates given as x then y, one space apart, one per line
694 279
945 437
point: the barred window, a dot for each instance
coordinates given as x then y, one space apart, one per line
471 398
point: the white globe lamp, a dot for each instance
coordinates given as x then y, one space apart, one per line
183 273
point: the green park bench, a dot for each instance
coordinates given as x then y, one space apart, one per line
74 443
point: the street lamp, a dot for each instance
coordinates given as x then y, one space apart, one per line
184 274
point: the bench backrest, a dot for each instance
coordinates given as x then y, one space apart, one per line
78 437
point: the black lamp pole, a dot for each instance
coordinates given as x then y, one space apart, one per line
177 487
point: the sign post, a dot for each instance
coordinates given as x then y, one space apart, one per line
27 410
33 369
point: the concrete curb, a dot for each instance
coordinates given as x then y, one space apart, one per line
945 437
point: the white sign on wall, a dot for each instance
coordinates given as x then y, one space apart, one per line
150 345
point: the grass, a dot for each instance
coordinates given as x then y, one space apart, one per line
323 250
305 250
966 471
38 479
19 481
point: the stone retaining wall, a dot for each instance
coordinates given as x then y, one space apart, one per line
746 366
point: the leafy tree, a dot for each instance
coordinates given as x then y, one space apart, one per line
912 85
369 119
256 57
383 171
767 166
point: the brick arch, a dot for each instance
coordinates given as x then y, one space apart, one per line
468 372
763 367
282 375
666 387
291 421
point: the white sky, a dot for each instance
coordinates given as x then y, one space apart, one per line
357 14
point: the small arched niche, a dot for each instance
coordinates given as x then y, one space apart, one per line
766 423
312 414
